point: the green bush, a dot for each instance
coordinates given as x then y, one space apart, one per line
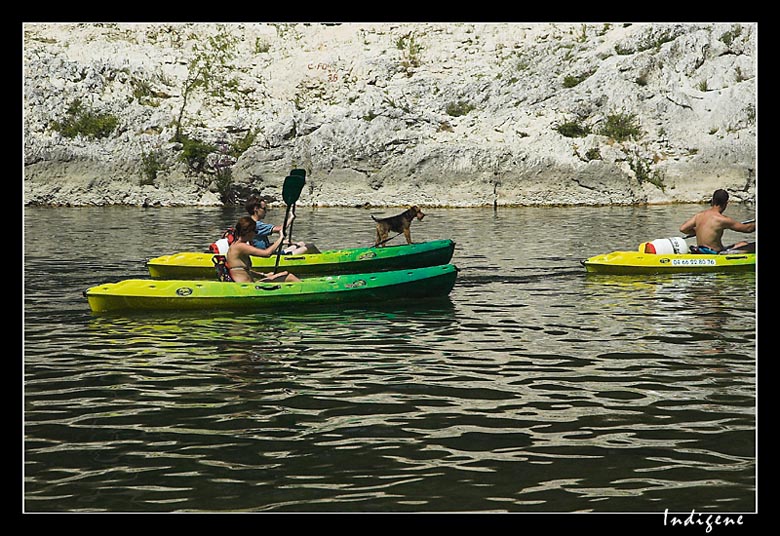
82 122
573 129
239 147
194 152
143 93
571 81
654 41
621 127
459 108
151 165
593 154
410 52
729 37
224 180
642 170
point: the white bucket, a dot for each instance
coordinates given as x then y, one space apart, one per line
222 245
663 246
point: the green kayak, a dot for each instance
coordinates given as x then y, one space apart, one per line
190 265
366 288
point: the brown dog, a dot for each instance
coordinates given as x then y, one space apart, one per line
398 224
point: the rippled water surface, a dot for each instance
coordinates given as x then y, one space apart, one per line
533 388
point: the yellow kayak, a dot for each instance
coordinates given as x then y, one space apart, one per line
378 287
638 262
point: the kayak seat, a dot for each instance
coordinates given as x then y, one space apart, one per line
223 272
702 250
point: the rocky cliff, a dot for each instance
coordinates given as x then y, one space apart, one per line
451 114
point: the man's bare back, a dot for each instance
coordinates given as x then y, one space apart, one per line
708 225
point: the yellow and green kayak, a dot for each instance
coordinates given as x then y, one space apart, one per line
637 262
174 294
191 265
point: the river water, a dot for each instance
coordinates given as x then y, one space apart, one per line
533 388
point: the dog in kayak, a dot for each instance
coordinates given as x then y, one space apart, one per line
397 224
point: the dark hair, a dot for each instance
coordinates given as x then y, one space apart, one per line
252 203
244 225
720 198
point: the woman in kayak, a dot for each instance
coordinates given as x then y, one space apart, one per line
238 255
708 226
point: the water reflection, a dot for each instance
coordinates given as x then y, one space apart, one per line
284 327
533 387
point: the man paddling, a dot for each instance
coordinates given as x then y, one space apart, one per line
708 226
257 209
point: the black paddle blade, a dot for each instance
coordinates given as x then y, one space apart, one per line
291 189
301 172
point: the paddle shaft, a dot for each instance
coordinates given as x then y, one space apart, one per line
746 221
289 236
291 190
281 246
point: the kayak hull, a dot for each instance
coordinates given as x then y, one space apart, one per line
191 265
149 294
636 262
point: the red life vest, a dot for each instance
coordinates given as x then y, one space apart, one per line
223 272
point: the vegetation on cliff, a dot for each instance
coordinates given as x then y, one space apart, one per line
389 114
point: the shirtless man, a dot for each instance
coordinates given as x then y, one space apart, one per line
708 226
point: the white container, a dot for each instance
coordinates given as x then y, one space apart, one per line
222 245
664 246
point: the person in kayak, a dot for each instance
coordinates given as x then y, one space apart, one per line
708 226
257 209
238 255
